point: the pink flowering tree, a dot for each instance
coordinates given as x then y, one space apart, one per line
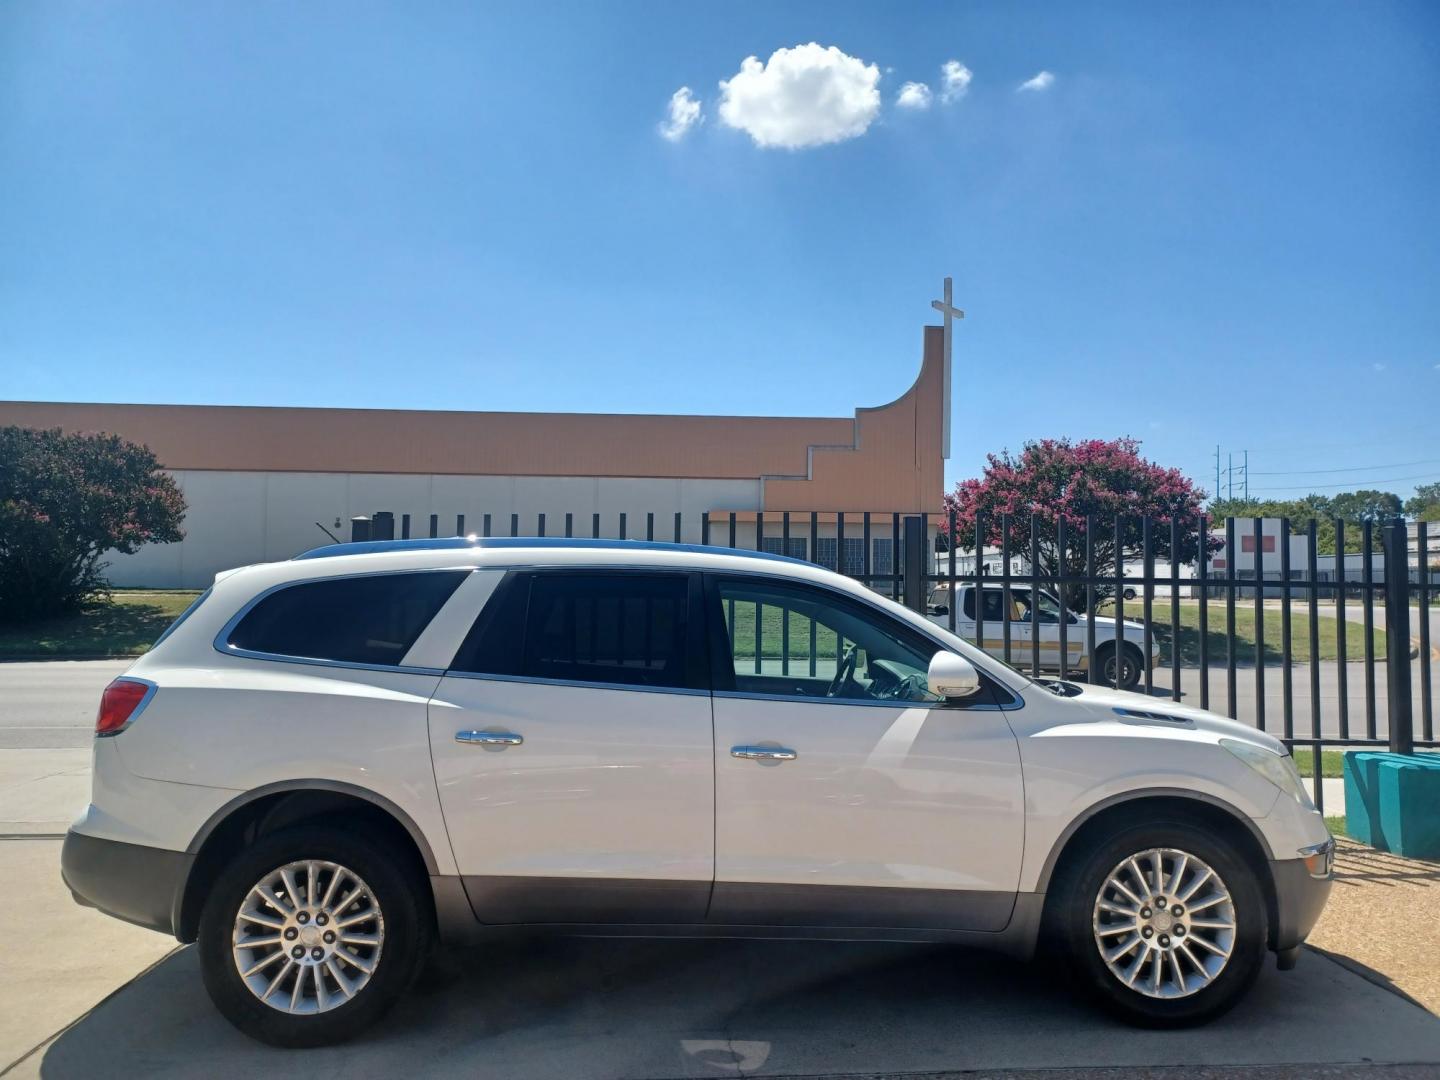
65 500
1056 479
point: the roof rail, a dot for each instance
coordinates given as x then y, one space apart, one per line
451 543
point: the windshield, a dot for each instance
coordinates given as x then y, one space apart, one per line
1050 610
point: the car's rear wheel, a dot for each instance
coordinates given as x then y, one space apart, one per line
310 935
1163 923
1119 669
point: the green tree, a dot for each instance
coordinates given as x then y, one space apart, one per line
1425 504
65 500
1055 480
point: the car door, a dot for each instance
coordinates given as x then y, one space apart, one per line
1045 620
573 750
995 617
847 794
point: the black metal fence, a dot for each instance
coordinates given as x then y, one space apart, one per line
1192 613
1320 712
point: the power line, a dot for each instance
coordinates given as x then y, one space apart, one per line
1348 468
1352 483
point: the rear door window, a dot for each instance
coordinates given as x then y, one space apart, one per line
370 619
626 628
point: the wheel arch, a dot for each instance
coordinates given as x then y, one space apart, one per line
1199 807
275 806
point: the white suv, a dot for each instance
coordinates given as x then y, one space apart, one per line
328 762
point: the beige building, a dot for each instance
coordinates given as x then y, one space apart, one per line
260 483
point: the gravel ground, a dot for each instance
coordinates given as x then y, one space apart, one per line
1381 920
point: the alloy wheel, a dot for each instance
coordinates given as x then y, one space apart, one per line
308 937
1164 923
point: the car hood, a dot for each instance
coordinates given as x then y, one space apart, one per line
1109 704
1108 621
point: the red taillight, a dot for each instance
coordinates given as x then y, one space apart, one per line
118 704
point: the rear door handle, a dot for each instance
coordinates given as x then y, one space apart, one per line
763 753
489 738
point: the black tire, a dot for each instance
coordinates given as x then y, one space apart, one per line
1071 924
1129 594
1130 668
408 931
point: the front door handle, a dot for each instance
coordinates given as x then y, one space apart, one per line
763 753
489 738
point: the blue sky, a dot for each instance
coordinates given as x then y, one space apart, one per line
1217 223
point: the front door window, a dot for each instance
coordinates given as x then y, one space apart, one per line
794 641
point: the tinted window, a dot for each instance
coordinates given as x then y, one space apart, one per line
611 628
994 604
362 620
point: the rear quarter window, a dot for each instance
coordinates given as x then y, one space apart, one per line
372 619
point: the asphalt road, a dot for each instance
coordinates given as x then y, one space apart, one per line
51 704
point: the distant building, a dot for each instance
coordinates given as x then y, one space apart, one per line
260 483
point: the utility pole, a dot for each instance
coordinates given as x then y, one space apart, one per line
1217 470
1246 468
1230 475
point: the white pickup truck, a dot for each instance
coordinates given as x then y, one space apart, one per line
1030 619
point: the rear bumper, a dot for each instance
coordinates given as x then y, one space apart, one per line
1299 899
141 885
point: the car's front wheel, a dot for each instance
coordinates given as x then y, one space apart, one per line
310 935
1163 922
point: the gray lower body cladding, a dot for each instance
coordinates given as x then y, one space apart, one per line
139 884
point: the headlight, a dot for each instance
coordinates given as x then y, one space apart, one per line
1280 771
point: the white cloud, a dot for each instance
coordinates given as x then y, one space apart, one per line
805 96
954 81
1378 366
682 114
914 95
1042 81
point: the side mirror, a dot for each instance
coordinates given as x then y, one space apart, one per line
937 609
952 676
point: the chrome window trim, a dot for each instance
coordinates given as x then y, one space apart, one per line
588 685
224 648
150 689
804 699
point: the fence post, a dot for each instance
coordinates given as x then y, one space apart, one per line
915 564
1397 637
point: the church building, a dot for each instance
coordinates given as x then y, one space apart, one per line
263 484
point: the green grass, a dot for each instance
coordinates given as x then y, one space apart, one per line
126 625
1336 825
1332 763
772 634
1326 630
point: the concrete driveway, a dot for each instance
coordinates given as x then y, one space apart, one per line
589 1008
